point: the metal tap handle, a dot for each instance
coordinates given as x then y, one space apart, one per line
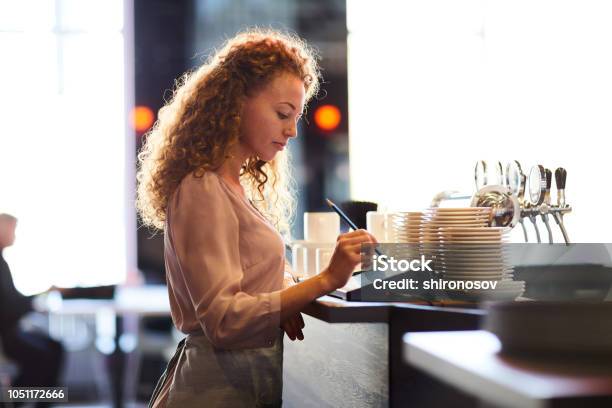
560 178
546 223
535 226
524 229
548 174
545 207
559 220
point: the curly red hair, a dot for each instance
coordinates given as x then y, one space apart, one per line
199 125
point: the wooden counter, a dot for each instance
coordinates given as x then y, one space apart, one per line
351 354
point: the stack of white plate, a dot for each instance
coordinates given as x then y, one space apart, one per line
406 227
463 247
478 254
435 218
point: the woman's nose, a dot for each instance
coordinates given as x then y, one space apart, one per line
291 131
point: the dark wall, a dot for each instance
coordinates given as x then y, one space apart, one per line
163 37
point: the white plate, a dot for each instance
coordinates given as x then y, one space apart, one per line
474 242
457 209
427 218
480 275
451 222
484 229
471 261
476 268
464 257
475 272
501 271
469 238
474 237
492 235
473 214
456 216
475 265
497 250
476 232
463 263
476 248
443 231
469 244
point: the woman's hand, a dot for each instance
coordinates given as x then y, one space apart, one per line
347 255
293 327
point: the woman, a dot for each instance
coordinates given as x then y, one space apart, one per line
213 176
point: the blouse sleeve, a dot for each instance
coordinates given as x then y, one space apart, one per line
205 232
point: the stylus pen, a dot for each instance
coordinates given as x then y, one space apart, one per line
346 218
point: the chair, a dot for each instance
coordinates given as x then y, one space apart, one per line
8 371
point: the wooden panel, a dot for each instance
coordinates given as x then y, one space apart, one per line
411 387
337 365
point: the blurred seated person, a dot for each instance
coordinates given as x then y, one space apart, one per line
38 357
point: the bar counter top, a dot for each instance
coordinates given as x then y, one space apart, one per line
334 310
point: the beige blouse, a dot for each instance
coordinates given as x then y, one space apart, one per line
224 265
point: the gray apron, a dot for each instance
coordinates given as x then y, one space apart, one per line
201 375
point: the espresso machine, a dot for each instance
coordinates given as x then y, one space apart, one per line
516 197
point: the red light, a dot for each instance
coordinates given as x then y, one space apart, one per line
327 117
142 118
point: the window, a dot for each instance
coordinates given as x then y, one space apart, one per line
63 146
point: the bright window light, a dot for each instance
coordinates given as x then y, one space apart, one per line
63 142
435 85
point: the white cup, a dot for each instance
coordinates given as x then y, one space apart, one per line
322 227
310 255
323 256
298 259
379 225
